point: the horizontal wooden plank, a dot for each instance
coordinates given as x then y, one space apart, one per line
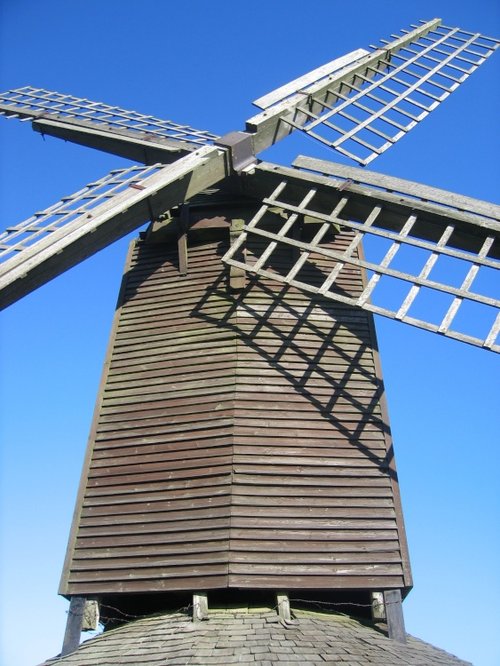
280 489
163 476
193 533
184 527
357 465
340 452
292 471
143 561
315 568
168 370
205 438
304 582
217 510
157 411
179 389
246 402
312 523
295 547
148 358
154 507
138 496
208 440
220 545
311 502
313 512
170 466
155 584
143 462
159 573
362 483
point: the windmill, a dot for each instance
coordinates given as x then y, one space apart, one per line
291 237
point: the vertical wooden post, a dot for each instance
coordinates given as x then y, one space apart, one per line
90 615
237 278
182 239
378 606
394 615
73 625
283 603
200 606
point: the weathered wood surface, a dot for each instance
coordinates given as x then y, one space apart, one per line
238 439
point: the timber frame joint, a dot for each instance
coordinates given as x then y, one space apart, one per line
239 147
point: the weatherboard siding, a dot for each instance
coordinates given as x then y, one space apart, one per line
312 503
238 440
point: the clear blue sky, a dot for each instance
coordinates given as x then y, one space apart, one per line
202 63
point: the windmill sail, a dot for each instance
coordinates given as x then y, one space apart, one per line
241 441
49 242
434 248
363 108
126 133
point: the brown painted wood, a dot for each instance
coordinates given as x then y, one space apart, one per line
239 438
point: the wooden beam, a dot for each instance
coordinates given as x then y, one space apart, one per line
271 125
283 604
90 615
124 143
394 615
74 625
170 186
182 244
311 77
200 606
378 606
470 229
392 184
237 276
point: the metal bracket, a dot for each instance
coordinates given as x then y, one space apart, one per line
240 149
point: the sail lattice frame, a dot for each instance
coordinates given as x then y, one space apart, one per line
61 215
365 108
435 225
53 240
30 103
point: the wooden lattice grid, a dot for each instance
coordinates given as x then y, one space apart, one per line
365 108
418 280
30 103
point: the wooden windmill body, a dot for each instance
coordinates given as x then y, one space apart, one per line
240 442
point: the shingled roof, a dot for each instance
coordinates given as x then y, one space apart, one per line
252 636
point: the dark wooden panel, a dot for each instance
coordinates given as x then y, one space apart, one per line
238 440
